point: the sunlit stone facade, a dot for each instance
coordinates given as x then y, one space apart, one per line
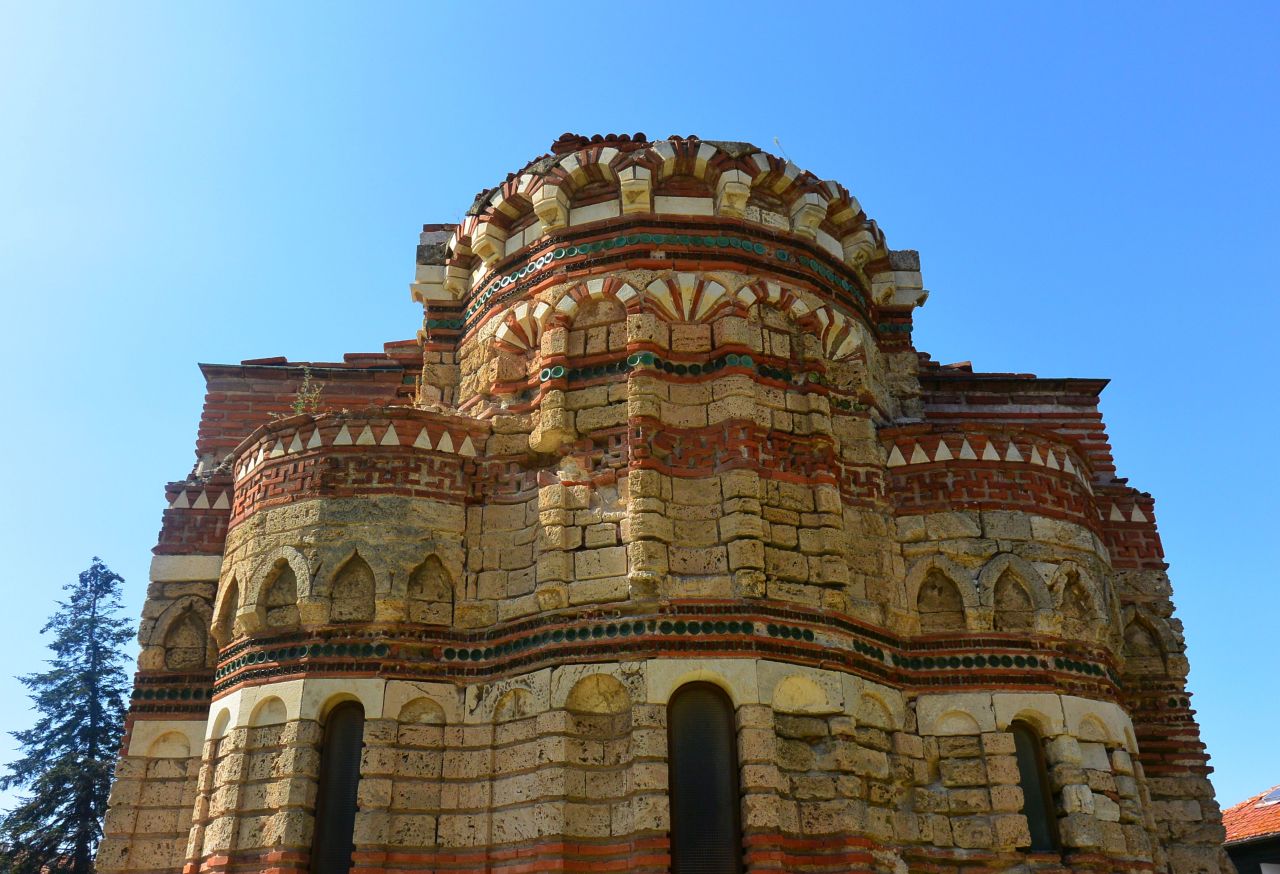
663 431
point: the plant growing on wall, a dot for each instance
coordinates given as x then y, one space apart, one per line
67 756
307 399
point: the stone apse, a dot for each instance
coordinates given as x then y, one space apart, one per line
661 547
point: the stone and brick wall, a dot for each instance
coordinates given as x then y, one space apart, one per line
662 423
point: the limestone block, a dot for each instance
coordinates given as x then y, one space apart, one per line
698 561
1065 775
786 564
1064 750
972 832
551 203
1121 763
967 801
966 746
185 568
905 744
963 772
1077 799
1176 811
998 743
1101 781
1006 798
599 591
930 800
1061 533
952 525
1011 831
1105 809
940 830
597 563
550 567
635 186
1080 830
1094 756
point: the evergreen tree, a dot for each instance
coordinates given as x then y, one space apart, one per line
67 756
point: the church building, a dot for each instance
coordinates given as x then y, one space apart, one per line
660 548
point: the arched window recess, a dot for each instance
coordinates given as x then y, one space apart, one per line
1037 798
706 829
336 797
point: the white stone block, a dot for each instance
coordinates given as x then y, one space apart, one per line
1041 709
941 714
185 568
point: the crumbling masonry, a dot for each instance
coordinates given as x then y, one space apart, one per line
663 429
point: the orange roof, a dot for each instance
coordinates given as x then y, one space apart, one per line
1255 817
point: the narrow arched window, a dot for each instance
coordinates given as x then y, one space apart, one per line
1037 801
706 833
336 798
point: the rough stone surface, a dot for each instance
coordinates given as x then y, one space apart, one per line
662 424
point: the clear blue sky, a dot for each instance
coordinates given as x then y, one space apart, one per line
1093 188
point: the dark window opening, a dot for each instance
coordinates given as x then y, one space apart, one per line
706 833
336 797
1037 800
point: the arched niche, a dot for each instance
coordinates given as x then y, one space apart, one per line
1037 796
1015 592
226 609
268 711
598 694
940 604
353 592
514 704
183 634
1078 607
278 604
801 695
170 745
421 711
221 723
1013 609
430 593
927 591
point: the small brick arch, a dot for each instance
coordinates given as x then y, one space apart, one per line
522 325
773 295
602 288
686 297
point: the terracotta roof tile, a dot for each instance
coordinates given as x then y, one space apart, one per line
1253 817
